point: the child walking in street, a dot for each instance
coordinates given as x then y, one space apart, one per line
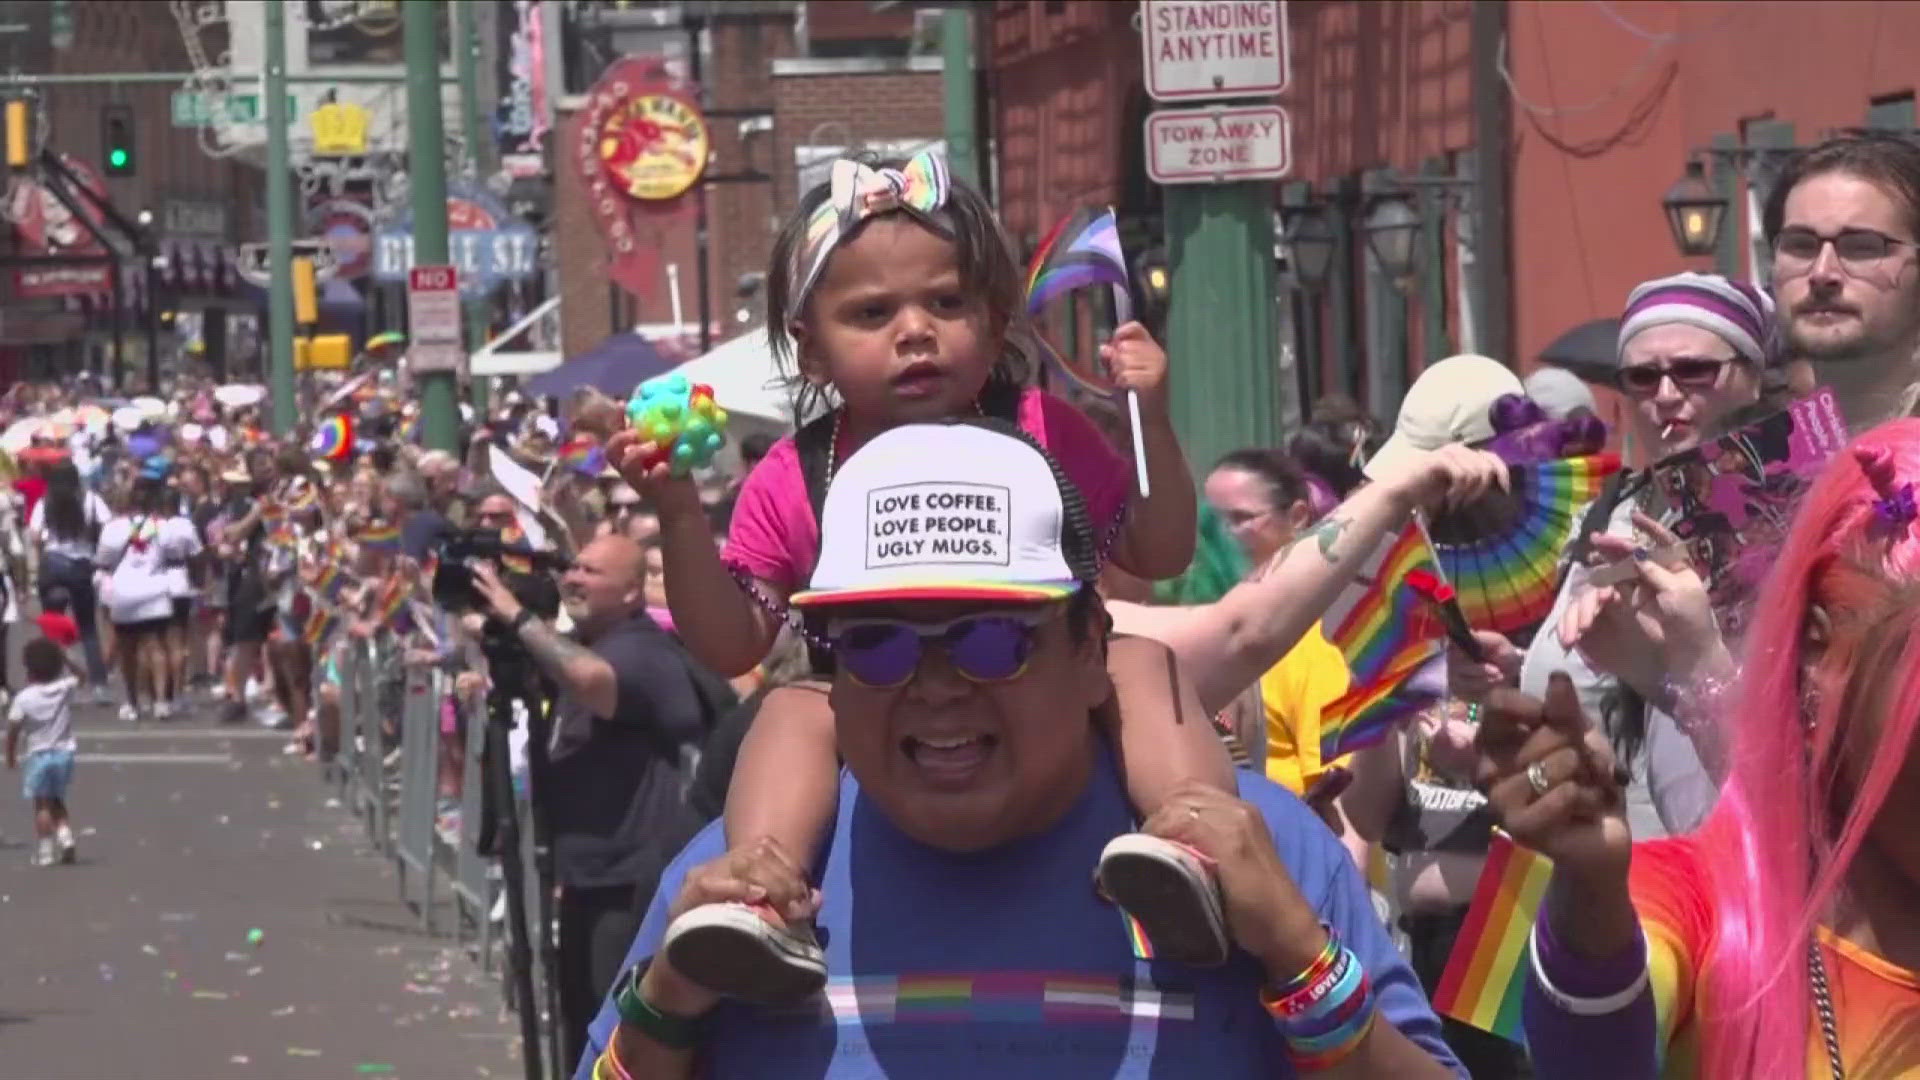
42 712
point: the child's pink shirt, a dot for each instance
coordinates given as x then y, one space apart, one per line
775 538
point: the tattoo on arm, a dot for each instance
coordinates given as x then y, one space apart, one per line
550 649
1327 533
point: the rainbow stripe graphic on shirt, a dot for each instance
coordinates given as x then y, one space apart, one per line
1006 997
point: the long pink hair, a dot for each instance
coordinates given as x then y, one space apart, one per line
1798 802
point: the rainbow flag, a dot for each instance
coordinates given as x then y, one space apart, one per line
1361 718
1487 971
584 456
1082 250
1381 623
390 608
380 538
320 625
331 583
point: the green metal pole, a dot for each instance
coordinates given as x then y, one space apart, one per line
956 78
1220 323
468 51
279 225
427 177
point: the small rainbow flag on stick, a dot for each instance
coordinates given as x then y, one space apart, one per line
320 625
1380 622
584 456
1083 250
380 538
1363 717
1384 624
1486 973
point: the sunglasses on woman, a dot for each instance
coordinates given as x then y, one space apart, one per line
1687 373
988 648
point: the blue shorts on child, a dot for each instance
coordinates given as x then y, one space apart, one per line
48 773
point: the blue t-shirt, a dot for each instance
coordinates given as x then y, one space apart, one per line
1006 963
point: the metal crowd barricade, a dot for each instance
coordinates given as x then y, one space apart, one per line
413 848
474 883
345 765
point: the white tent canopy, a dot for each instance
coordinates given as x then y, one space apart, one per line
744 377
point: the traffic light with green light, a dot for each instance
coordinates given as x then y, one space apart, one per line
116 140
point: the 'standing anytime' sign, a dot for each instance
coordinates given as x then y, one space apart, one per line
1197 49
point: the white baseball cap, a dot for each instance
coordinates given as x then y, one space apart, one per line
1449 403
966 510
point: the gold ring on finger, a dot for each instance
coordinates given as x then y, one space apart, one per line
1537 778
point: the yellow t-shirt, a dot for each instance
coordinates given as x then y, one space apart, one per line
1310 677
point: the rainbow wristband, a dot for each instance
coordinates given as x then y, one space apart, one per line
1340 1010
607 1066
1323 1042
1314 970
1291 1005
1327 1060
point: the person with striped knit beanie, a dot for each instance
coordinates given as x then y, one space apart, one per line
1693 350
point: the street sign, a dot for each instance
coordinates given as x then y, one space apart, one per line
1217 145
250 262
1214 48
197 108
486 243
433 319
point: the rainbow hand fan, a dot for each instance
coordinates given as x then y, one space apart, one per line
1502 554
1082 251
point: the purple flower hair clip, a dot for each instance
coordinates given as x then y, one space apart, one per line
1894 512
1895 508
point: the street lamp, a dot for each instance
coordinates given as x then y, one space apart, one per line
1310 241
1392 228
1694 212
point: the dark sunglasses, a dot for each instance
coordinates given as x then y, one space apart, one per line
1689 372
884 653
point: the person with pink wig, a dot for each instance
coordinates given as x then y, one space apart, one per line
1782 938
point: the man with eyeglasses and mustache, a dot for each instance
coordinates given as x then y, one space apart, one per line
1842 220
963 933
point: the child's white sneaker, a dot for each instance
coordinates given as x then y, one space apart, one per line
64 837
162 710
44 855
129 714
1171 890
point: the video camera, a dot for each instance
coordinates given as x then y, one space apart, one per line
453 578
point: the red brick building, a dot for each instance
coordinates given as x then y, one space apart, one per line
200 205
1606 103
784 83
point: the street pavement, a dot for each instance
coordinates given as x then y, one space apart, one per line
136 961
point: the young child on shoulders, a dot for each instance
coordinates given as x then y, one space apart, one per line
904 304
41 715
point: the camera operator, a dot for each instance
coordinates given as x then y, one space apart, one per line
627 706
